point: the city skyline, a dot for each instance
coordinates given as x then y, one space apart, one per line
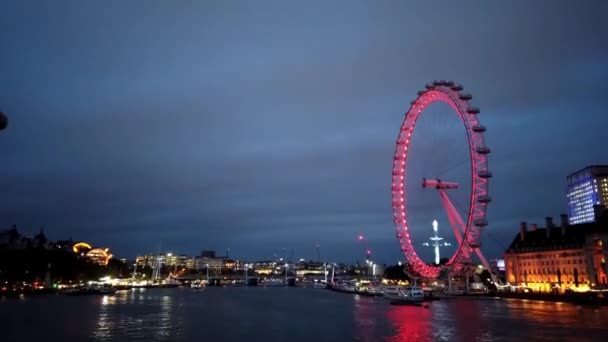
208 126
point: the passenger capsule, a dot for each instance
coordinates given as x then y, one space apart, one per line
479 128
480 222
483 150
465 96
456 87
484 174
484 199
473 110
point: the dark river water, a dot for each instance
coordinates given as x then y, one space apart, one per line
289 314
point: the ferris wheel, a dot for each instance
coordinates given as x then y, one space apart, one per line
467 231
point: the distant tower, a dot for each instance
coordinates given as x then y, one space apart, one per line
436 241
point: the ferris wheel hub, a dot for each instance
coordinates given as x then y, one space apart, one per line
438 184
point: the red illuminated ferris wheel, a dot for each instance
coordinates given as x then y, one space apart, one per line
467 231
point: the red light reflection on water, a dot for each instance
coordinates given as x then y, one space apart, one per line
411 323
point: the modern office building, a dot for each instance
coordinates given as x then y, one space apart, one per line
586 188
214 263
558 258
145 260
165 259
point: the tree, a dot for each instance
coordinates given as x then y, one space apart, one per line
486 278
395 272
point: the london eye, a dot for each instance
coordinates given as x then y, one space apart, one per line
467 224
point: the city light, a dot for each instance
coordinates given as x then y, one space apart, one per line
80 247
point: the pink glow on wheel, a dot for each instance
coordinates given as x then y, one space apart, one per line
479 177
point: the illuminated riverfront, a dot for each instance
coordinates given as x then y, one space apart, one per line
303 171
181 314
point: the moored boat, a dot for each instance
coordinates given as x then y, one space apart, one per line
88 290
344 287
319 285
404 294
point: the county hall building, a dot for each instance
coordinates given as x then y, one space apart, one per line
561 257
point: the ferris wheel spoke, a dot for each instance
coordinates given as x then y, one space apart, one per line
452 168
452 218
461 227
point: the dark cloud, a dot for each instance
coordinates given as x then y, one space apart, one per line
147 125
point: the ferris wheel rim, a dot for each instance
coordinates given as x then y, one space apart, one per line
450 93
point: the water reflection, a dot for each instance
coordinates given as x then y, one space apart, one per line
104 323
132 314
497 320
410 323
298 314
164 321
463 320
366 311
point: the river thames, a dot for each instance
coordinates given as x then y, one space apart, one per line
289 314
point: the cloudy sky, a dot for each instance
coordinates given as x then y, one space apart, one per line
266 127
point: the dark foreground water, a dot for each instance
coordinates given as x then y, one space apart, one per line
289 314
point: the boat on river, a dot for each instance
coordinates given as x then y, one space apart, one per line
347 287
404 294
89 290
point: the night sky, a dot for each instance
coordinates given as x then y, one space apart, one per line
265 126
